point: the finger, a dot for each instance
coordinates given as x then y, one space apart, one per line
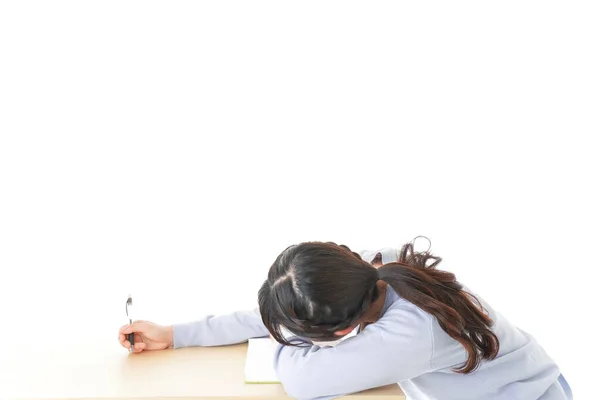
139 347
122 338
126 344
134 327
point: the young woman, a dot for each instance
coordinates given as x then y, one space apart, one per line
418 327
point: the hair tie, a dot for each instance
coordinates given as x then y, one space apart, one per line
424 237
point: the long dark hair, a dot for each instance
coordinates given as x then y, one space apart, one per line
317 288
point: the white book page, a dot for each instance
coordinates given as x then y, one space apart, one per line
259 361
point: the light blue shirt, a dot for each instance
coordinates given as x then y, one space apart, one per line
405 346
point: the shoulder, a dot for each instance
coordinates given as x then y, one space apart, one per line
403 333
403 322
404 315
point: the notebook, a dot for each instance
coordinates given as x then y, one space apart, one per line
261 357
259 361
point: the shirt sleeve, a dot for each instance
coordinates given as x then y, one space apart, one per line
221 330
397 347
388 254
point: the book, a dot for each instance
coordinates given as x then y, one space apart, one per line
260 361
261 357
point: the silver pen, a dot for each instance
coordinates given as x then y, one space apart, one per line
128 307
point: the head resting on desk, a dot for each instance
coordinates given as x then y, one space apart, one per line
322 291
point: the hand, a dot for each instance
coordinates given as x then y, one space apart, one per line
147 336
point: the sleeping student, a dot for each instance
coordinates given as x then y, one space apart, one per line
417 326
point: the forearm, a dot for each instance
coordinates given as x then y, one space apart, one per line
220 330
395 348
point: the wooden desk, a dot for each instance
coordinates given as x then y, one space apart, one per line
109 372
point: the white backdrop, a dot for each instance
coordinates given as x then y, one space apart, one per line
172 150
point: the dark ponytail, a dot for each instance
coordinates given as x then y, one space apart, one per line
315 289
460 314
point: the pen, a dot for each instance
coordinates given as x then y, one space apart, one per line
128 306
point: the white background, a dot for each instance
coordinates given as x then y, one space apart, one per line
172 149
